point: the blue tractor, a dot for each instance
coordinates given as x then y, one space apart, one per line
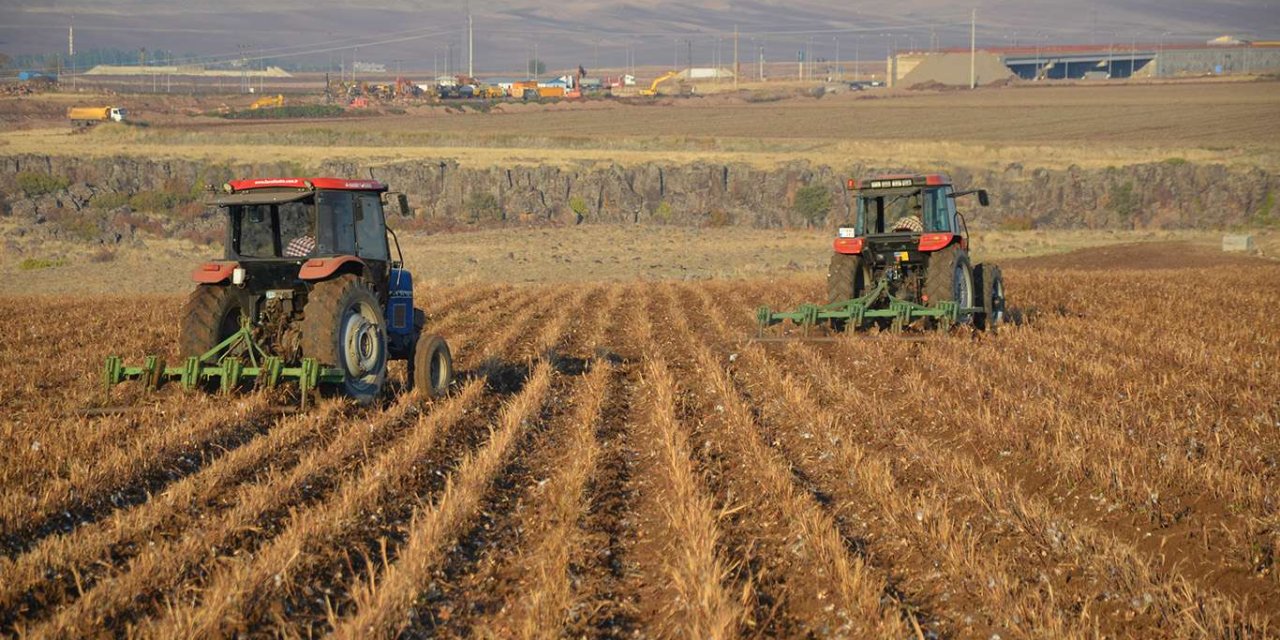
307 291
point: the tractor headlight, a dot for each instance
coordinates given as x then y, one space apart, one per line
237 276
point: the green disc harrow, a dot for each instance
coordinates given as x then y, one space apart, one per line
234 361
860 313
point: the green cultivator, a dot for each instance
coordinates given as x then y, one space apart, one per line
235 361
860 313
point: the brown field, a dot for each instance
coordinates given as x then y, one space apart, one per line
616 461
1051 127
522 255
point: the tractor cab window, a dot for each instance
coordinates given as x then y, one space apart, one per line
371 231
297 229
335 228
272 230
883 212
941 210
255 237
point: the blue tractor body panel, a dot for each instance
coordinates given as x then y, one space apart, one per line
400 303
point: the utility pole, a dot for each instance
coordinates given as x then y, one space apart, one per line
839 75
808 56
736 69
857 58
973 49
71 50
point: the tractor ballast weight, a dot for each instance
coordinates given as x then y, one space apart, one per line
307 293
904 263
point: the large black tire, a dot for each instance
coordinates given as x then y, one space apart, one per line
950 278
431 370
990 284
848 277
343 326
211 314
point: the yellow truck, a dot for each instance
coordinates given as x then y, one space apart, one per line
89 116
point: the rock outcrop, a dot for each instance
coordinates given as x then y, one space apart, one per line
1171 194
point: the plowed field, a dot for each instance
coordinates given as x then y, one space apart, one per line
617 461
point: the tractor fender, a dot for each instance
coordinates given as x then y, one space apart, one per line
321 268
214 272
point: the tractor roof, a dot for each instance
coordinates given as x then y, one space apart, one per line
899 180
308 184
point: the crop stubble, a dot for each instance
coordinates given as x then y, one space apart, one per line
615 459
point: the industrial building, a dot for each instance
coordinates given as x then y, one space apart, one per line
952 67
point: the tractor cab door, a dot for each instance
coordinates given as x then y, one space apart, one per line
940 211
371 236
350 223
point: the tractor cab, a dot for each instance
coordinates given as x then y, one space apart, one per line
284 229
897 213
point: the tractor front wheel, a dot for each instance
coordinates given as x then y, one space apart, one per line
991 295
949 278
343 326
211 314
432 370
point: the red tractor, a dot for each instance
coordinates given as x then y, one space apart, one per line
904 262
307 291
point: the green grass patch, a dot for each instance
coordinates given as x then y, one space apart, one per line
35 264
35 183
287 112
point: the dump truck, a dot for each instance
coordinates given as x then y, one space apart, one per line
89 116
308 291
903 263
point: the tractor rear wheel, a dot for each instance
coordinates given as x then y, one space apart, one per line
991 296
432 366
847 278
343 326
949 278
211 314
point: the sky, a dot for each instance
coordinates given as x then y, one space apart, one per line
422 34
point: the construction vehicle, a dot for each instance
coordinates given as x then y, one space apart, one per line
89 116
308 291
904 263
653 88
267 102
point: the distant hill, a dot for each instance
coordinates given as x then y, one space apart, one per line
571 32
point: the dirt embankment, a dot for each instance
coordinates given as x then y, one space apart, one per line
1165 195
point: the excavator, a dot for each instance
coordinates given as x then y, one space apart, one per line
267 102
653 88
